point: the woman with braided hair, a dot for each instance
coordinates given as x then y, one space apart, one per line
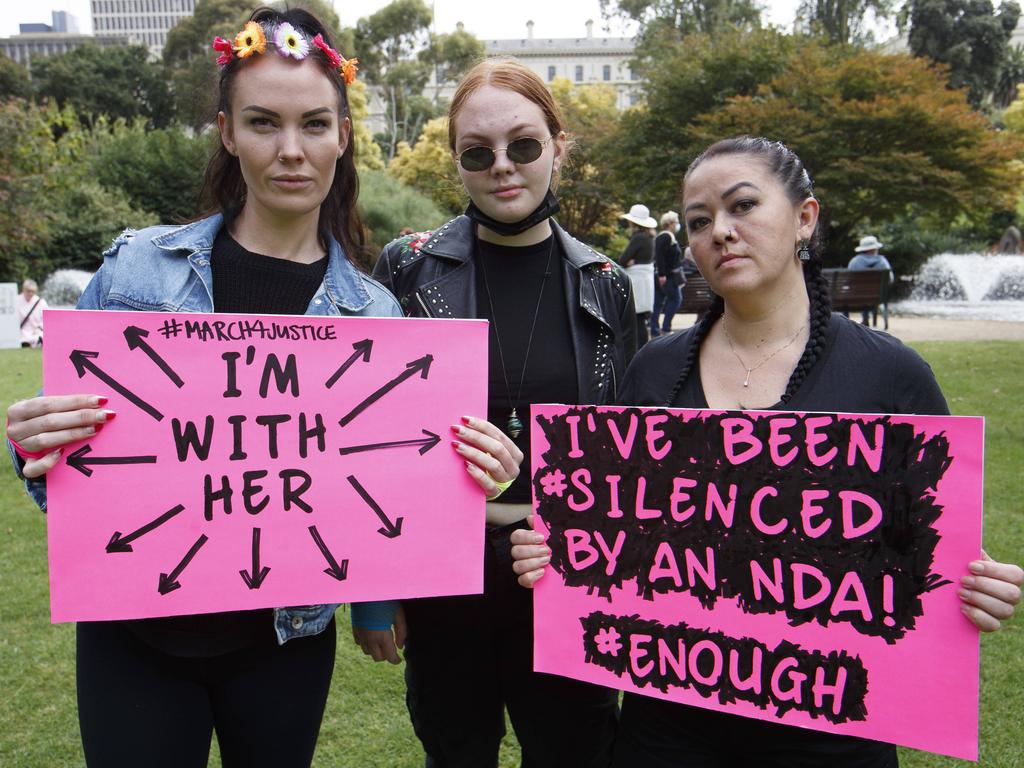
768 342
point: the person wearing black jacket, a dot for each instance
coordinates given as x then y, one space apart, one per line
668 274
562 329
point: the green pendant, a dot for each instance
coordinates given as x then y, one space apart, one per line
514 426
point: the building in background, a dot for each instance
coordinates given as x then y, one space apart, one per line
36 41
142 22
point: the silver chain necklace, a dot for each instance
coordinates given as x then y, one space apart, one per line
751 369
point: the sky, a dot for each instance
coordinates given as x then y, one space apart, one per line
551 19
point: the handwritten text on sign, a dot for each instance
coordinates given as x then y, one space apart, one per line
800 568
258 462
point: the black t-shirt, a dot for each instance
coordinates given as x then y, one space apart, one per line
514 276
243 282
860 371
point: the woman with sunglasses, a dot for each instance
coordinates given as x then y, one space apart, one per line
281 235
768 342
562 329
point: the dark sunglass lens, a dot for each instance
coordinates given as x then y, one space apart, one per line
477 158
524 150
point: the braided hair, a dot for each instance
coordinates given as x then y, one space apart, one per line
790 172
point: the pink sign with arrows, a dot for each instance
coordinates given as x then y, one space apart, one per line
262 461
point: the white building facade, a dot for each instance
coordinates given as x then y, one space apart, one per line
25 47
142 22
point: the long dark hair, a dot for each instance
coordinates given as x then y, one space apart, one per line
790 172
224 188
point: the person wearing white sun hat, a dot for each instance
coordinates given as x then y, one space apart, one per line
869 257
638 260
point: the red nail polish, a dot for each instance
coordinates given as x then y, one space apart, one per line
102 400
111 415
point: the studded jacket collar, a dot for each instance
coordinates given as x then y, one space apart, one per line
433 275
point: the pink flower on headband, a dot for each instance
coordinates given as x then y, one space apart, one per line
225 48
330 53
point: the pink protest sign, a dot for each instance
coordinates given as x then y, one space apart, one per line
262 461
796 568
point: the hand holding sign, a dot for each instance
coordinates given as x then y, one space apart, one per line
43 426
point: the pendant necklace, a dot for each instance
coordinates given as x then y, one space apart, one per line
751 369
514 426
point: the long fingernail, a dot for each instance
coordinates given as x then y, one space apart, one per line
101 400
468 420
458 429
456 445
109 415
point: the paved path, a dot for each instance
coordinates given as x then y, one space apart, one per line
909 328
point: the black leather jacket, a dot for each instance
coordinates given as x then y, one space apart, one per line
432 275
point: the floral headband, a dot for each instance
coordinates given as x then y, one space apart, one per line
289 42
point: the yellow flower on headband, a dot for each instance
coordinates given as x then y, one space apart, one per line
250 40
348 70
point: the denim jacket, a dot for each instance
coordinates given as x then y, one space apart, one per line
167 269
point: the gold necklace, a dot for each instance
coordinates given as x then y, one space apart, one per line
751 369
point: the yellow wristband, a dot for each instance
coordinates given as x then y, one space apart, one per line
502 487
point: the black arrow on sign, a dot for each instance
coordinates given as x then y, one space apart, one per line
119 543
82 361
79 462
390 530
254 579
362 349
425 444
134 336
420 366
169 581
335 571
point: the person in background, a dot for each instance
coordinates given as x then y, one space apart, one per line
562 329
638 260
30 305
869 257
768 342
669 278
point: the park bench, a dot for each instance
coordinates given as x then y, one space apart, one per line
860 290
851 290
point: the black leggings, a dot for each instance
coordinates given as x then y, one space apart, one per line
140 706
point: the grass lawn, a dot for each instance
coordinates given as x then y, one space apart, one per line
366 725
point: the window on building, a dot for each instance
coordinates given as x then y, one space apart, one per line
551 73
606 72
632 74
579 73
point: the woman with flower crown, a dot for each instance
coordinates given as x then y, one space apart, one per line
280 235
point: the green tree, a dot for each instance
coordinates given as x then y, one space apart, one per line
388 43
118 81
1011 75
428 167
158 171
14 80
691 78
451 56
191 63
881 135
968 36
841 21
662 21
589 208
368 154
386 206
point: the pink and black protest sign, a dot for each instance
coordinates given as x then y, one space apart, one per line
262 461
798 568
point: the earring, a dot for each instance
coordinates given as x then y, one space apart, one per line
803 251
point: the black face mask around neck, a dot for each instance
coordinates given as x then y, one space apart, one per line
548 208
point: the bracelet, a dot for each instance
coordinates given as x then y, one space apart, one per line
502 487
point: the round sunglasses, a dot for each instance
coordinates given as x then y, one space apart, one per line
522 151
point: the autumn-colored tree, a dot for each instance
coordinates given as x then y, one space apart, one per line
428 167
588 209
880 134
650 151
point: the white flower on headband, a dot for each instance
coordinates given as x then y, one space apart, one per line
290 42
